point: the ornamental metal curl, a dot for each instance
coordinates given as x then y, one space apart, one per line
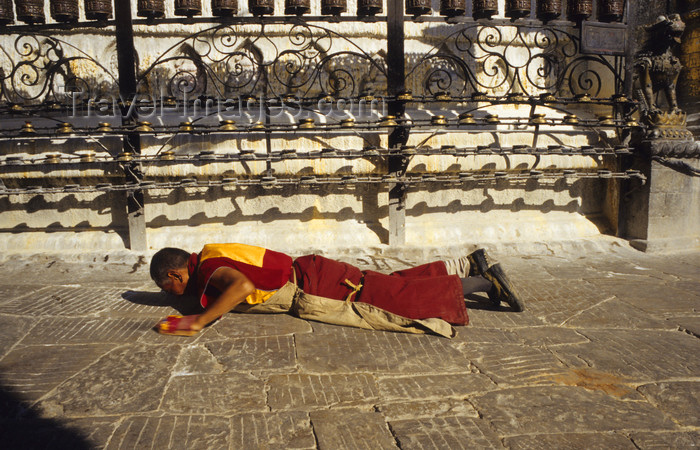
498 60
226 61
38 68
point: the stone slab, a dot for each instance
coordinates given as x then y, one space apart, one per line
236 325
38 433
274 353
62 301
195 359
68 330
635 354
662 441
12 293
172 432
13 330
564 409
334 349
350 429
616 314
486 316
670 305
510 364
554 302
214 394
689 324
129 379
445 432
426 409
32 371
550 336
131 303
597 380
570 441
280 430
680 400
308 392
474 334
656 298
433 386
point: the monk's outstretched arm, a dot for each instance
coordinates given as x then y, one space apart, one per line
234 287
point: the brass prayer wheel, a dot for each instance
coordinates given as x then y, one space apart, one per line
297 7
64 10
188 8
417 7
150 8
484 8
333 7
452 8
98 9
261 7
224 7
369 7
517 8
548 9
610 10
30 11
7 14
580 9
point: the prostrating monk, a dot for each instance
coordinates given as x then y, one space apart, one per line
253 279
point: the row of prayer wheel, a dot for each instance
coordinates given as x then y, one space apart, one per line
32 11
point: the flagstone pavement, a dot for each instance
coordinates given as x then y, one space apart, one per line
606 355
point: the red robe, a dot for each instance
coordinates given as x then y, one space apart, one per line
421 292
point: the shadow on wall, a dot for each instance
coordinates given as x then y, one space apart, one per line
585 197
48 207
22 427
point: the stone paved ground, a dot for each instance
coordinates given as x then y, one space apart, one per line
606 356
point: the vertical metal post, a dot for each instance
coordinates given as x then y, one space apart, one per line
399 136
126 55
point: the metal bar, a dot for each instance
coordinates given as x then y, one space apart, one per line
126 52
396 73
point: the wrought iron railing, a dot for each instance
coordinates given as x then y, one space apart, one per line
57 85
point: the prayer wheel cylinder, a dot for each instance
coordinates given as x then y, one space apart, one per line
580 9
7 14
369 7
484 8
224 7
30 11
297 7
517 8
548 9
188 8
417 7
333 7
610 10
452 8
65 10
261 7
98 9
150 8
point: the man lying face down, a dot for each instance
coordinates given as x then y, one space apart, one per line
224 276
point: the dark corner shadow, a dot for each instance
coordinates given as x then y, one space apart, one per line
184 304
482 302
21 427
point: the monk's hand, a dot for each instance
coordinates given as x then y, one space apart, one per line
179 325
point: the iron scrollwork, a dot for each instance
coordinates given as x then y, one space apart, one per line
229 61
39 69
499 60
